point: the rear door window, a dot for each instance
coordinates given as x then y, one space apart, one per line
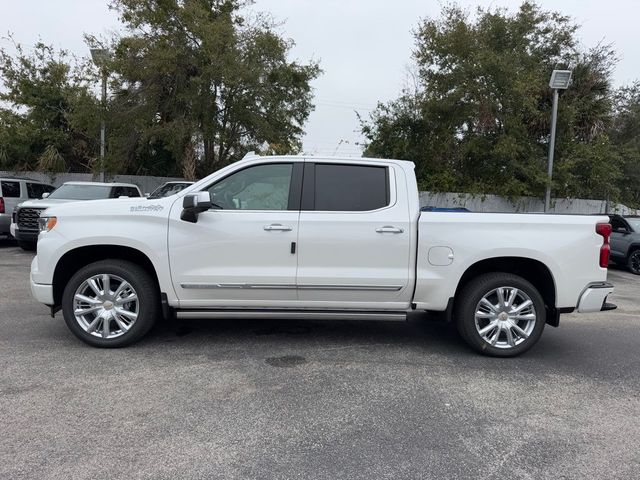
10 189
350 188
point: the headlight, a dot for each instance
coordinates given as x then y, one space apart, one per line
46 224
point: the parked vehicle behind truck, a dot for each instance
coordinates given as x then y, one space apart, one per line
24 224
14 190
625 241
318 238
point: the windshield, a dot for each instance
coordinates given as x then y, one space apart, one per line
168 189
81 192
635 223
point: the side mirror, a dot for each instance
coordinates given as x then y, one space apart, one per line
193 204
621 230
45 194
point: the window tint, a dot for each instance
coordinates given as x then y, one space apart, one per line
169 189
350 188
10 189
617 222
263 187
124 192
35 190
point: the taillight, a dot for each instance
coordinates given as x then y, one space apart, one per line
1 205
604 230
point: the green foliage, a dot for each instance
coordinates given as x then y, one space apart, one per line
197 72
479 120
47 108
195 84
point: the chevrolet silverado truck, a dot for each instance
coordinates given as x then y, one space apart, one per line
315 238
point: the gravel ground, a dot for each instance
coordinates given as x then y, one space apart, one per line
316 400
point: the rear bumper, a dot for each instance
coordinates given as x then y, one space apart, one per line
594 298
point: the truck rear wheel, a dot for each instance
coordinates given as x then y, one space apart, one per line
110 303
500 314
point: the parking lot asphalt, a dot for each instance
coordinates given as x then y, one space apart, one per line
316 400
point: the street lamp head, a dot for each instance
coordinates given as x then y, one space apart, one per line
100 56
560 79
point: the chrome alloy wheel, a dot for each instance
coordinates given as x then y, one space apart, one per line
105 306
505 317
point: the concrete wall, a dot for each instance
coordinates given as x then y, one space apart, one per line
495 203
475 203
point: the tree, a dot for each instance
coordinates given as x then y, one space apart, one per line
625 135
48 120
479 121
196 77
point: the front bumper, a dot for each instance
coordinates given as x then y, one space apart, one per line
5 222
26 235
594 298
41 292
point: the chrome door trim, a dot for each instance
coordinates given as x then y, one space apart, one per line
206 286
387 288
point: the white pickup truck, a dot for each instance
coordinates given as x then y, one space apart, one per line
317 238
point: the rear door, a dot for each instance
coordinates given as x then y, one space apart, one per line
354 239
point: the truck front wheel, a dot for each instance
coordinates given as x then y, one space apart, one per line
500 314
110 303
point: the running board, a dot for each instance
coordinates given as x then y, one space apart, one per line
398 316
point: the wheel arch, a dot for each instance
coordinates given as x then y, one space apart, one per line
530 269
632 248
78 257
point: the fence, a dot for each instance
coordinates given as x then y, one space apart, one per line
475 203
495 203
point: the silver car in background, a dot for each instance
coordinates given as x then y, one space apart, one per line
15 190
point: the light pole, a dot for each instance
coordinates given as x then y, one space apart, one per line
101 57
559 81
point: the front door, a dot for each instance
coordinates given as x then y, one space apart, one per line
242 253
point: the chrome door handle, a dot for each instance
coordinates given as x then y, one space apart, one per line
277 227
389 229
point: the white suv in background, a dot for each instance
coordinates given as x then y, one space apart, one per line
25 216
15 190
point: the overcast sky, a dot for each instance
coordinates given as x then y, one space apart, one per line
363 46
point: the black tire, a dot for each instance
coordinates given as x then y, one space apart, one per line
469 298
148 298
27 246
633 262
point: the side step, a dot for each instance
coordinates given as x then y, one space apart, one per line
295 314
